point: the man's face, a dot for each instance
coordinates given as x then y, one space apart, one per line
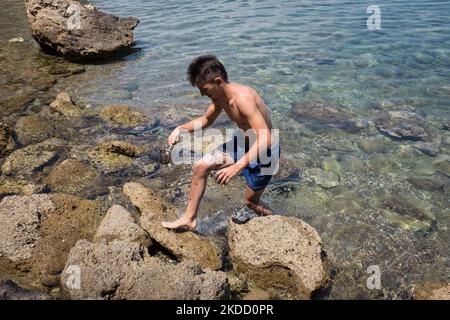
210 89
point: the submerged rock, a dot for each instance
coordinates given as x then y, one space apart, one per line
33 129
332 164
118 224
123 116
427 183
77 32
325 179
123 270
408 213
446 125
377 145
323 116
39 230
443 166
114 156
402 125
11 186
120 147
184 245
293 268
427 149
64 105
32 158
75 177
7 143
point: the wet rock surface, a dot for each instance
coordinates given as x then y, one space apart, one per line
74 177
123 116
32 158
11 291
7 143
33 129
64 105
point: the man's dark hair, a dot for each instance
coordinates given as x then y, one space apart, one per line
205 68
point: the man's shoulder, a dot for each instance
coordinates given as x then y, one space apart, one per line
245 93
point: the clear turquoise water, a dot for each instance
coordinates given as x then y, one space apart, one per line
279 47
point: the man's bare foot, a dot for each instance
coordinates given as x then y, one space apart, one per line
182 224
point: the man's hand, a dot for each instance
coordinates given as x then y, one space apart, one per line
223 176
174 136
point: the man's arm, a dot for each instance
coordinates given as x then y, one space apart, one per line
249 110
202 122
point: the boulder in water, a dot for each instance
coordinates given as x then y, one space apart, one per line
78 32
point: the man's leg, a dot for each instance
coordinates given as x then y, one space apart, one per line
252 199
201 171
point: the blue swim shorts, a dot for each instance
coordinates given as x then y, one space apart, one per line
258 173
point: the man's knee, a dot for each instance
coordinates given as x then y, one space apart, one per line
202 168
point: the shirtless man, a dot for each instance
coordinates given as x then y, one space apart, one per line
246 108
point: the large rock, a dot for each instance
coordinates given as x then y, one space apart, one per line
38 232
123 270
7 143
64 105
123 116
186 245
33 129
75 177
282 255
118 224
402 125
432 291
32 158
322 117
54 26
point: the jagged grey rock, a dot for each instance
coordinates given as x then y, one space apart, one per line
118 224
123 270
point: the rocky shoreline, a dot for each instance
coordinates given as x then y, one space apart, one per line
80 186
